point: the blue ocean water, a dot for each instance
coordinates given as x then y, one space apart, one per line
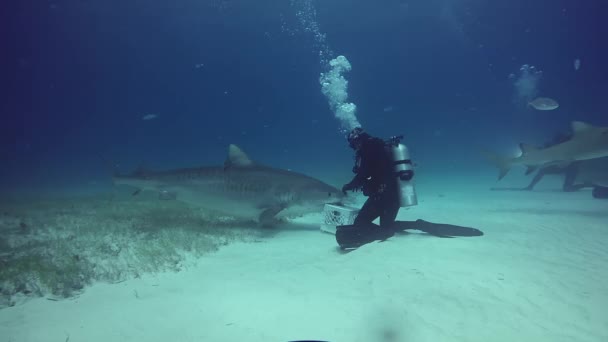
81 75
93 87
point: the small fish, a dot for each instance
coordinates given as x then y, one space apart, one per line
544 103
149 117
577 64
388 109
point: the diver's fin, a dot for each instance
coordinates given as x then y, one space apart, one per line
267 217
437 229
354 236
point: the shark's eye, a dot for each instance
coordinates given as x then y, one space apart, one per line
329 194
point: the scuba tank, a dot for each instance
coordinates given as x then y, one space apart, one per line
403 171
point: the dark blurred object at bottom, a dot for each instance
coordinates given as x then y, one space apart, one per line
600 192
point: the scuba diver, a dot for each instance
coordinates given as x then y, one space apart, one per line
383 172
374 177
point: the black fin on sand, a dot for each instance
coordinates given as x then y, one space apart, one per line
438 229
353 236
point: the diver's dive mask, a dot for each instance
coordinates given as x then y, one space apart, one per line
355 138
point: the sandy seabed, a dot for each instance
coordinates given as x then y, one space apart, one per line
538 274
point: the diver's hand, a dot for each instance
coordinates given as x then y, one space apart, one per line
345 188
348 187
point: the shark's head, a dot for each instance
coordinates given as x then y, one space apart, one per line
310 197
320 193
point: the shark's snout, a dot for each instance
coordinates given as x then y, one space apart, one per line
319 193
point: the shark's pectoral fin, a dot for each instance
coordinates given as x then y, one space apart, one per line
531 168
267 217
136 192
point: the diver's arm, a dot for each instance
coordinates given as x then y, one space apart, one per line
359 180
355 183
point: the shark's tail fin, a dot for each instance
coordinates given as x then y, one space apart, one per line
502 163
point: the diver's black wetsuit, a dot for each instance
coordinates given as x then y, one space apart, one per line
374 175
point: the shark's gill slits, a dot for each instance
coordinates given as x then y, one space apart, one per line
287 197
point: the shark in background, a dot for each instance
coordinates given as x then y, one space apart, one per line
587 142
593 172
241 188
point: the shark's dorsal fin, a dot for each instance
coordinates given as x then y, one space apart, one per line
525 148
237 158
579 126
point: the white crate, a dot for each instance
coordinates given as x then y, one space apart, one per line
337 215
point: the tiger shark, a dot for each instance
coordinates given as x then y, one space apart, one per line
241 188
587 142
